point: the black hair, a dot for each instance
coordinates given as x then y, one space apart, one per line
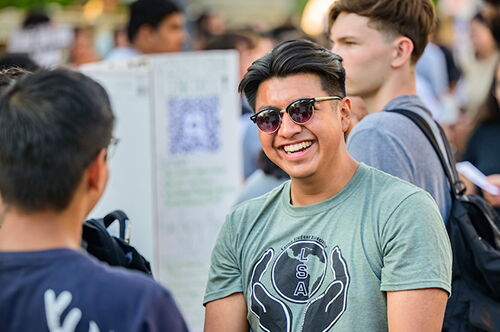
34 19
19 60
295 57
287 31
489 112
149 12
229 41
52 125
479 17
494 21
10 75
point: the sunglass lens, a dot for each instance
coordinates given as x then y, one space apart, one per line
268 121
301 111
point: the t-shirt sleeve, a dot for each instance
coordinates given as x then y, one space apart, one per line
224 277
416 248
381 150
163 315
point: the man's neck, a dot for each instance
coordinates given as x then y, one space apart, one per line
402 83
36 231
323 186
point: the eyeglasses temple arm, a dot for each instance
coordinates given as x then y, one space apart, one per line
328 98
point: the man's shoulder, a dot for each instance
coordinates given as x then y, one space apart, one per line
111 298
80 274
388 182
76 266
386 139
116 277
126 290
390 189
384 122
247 212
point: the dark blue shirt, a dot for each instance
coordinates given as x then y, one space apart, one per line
482 149
67 290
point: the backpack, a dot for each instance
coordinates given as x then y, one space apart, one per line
474 231
116 251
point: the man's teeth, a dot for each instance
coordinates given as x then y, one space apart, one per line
297 147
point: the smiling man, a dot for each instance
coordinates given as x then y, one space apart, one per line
337 248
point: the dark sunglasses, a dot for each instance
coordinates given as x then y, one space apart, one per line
300 111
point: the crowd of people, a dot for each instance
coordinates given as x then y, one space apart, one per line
341 223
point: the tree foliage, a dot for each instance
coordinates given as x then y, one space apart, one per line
33 4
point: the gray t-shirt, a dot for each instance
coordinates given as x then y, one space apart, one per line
394 144
326 266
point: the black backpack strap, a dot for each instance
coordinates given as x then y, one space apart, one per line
122 219
457 187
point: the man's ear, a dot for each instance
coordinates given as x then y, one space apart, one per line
403 49
97 172
344 110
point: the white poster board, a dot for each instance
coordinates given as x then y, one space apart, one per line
131 182
198 167
177 171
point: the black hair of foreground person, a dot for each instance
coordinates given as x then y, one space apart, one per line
52 125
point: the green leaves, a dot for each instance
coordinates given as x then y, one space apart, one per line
34 4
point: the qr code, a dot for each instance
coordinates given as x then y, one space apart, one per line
194 125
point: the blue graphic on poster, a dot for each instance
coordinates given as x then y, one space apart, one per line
194 125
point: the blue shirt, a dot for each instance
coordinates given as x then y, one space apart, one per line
392 143
67 290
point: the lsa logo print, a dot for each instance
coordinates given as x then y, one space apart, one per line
299 270
297 275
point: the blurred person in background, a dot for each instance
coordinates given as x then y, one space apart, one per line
208 25
478 66
431 71
120 38
244 42
267 177
288 31
358 112
82 49
250 46
42 40
491 12
155 26
250 137
482 149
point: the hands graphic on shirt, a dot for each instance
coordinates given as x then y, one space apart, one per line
326 309
321 313
273 314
